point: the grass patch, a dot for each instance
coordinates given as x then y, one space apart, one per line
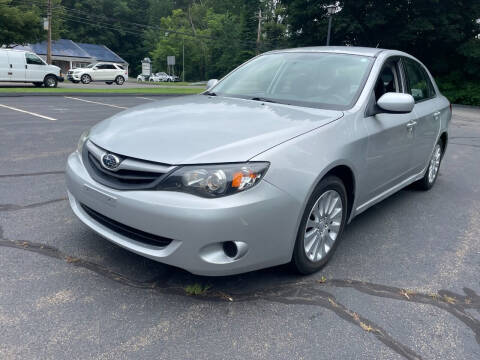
197 289
153 90
153 83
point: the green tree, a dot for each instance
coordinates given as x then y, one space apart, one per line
441 34
20 23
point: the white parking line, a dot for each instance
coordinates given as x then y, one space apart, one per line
28 112
144 98
96 102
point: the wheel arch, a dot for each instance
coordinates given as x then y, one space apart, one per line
346 174
49 74
444 138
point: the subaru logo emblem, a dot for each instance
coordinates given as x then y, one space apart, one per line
110 161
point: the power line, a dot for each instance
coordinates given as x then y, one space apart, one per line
88 16
89 19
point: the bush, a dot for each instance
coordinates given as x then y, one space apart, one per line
465 93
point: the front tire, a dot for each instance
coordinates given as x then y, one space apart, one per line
321 227
119 80
50 81
86 79
430 177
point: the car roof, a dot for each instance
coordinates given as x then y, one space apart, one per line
354 50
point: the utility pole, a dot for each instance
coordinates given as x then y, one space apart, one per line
49 36
329 29
259 31
331 9
183 59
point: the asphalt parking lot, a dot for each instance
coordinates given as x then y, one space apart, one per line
404 283
130 84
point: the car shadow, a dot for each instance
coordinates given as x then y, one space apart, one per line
144 270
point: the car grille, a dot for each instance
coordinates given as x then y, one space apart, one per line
127 231
131 174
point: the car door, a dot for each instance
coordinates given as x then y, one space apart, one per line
390 136
99 72
4 66
427 110
17 65
34 68
111 72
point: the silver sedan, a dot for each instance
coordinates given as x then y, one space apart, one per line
268 165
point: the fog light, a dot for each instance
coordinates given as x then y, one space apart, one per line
230 249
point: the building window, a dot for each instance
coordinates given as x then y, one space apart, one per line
77 64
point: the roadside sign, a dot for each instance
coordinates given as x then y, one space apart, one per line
146 67
170 60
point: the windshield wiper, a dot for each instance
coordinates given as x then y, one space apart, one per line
262 99
209 93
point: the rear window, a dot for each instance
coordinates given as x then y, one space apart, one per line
418 82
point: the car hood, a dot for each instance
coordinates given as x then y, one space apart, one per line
203 129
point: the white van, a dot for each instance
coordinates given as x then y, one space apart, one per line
24 66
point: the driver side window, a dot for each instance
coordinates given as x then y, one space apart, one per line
33 59
388 80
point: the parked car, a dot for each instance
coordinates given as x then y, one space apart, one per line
161 76
268 165
24 66
142 78
107 72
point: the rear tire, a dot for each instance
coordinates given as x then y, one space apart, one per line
431 175
86 79
38 84
119 80
321 227
50 81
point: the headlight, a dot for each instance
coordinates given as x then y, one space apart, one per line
82 140
215 180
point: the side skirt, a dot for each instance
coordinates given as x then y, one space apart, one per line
387 193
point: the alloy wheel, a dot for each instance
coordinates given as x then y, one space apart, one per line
434 163
323 225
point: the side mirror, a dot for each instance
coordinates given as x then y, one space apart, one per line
396 103
211 83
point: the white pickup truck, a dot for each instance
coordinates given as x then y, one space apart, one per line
24 66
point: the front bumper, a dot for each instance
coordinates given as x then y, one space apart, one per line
263 219
73 77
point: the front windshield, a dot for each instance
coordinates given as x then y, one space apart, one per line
322 80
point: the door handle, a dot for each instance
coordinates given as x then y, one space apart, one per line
411 124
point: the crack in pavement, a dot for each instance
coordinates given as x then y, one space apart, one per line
15 207
33 174
301 293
